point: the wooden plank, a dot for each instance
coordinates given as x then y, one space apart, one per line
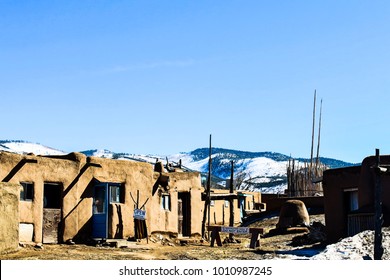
51 220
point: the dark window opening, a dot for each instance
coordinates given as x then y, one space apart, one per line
27 191
52 195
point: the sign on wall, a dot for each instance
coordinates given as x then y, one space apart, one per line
139 214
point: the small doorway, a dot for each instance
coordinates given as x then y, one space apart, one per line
184 214
52 212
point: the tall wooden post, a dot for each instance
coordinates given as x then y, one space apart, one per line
231 201
209 184
206 210
378 248
319 139
312 131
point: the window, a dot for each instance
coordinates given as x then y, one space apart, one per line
352 199
212 203
99 200
227 203
27 191
166 202
116 194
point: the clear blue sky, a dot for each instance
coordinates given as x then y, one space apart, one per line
159 77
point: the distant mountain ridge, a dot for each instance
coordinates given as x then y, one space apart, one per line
265 171
237 154
201 153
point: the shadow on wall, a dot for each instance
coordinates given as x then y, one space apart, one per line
119 227
85 232
17 168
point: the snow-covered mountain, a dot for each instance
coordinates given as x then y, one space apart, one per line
264 171
23 147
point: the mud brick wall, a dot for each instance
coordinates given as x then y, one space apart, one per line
9 216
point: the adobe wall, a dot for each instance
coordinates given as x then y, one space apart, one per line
9 216
78 173
367 186
335 182
167 220
137 177
15 169
275 202
363 178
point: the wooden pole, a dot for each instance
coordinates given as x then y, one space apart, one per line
312 132
206 210
319 138
231 203
223 214
137 199
209 184
378 247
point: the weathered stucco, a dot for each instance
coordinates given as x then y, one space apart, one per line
9 216
77 175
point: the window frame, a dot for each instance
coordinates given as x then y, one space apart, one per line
118 191
166 201
25 193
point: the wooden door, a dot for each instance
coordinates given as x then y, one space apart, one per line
100 211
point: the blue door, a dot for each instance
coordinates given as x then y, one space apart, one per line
100 211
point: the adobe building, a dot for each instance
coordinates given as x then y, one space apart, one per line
244 202
349 198
79 198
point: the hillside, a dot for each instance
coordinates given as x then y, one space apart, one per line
24 147
264 171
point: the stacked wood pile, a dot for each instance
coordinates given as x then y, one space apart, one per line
304 180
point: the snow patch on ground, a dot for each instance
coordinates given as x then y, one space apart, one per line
357 247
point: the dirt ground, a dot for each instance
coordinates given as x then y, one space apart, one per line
272 246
